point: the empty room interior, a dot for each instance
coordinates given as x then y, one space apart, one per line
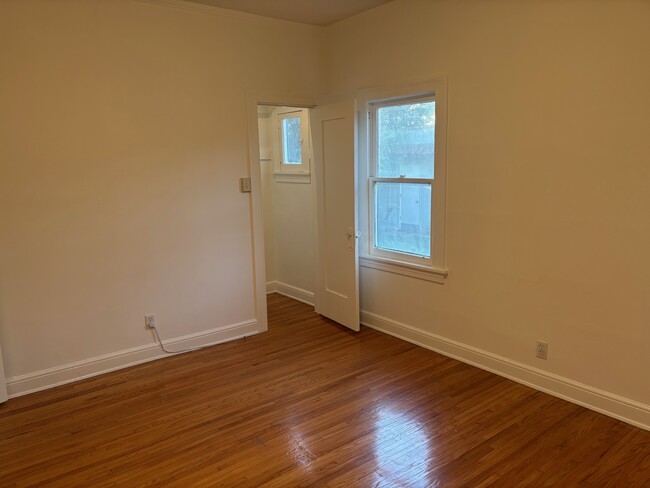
335 243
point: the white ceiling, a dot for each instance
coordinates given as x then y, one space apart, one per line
317 12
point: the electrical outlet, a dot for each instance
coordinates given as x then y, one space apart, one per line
542 350
150 321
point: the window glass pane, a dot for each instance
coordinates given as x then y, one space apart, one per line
291 147
405 140
403 217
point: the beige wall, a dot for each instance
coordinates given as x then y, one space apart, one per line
123 134
295 229
548 176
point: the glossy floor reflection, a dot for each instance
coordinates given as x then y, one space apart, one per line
312 404
402 449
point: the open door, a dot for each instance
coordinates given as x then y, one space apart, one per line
333 129
3 385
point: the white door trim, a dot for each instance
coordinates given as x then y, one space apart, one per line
3 383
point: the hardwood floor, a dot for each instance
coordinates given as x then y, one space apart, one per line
311 404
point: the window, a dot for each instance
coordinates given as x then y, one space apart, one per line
405 172
293 141
403 163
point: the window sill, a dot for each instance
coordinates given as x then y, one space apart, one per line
292 177
405 269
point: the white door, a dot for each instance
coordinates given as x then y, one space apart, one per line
3 386
333 129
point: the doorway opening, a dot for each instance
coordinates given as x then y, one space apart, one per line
307 157
288 201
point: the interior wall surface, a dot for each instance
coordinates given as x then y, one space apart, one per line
123 135
547 177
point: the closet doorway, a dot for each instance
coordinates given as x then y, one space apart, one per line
288 201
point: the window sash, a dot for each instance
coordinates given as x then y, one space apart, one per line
373 150
303 166
374 126
284 137
398 255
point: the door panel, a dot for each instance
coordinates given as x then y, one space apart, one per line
3 385
337 281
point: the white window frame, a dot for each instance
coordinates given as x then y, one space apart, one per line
430 268
295 170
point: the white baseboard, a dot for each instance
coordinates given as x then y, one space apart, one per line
290 291
604 402
60 375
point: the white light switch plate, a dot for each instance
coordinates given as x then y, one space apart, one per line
245 185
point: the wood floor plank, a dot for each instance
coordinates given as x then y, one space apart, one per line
310 403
